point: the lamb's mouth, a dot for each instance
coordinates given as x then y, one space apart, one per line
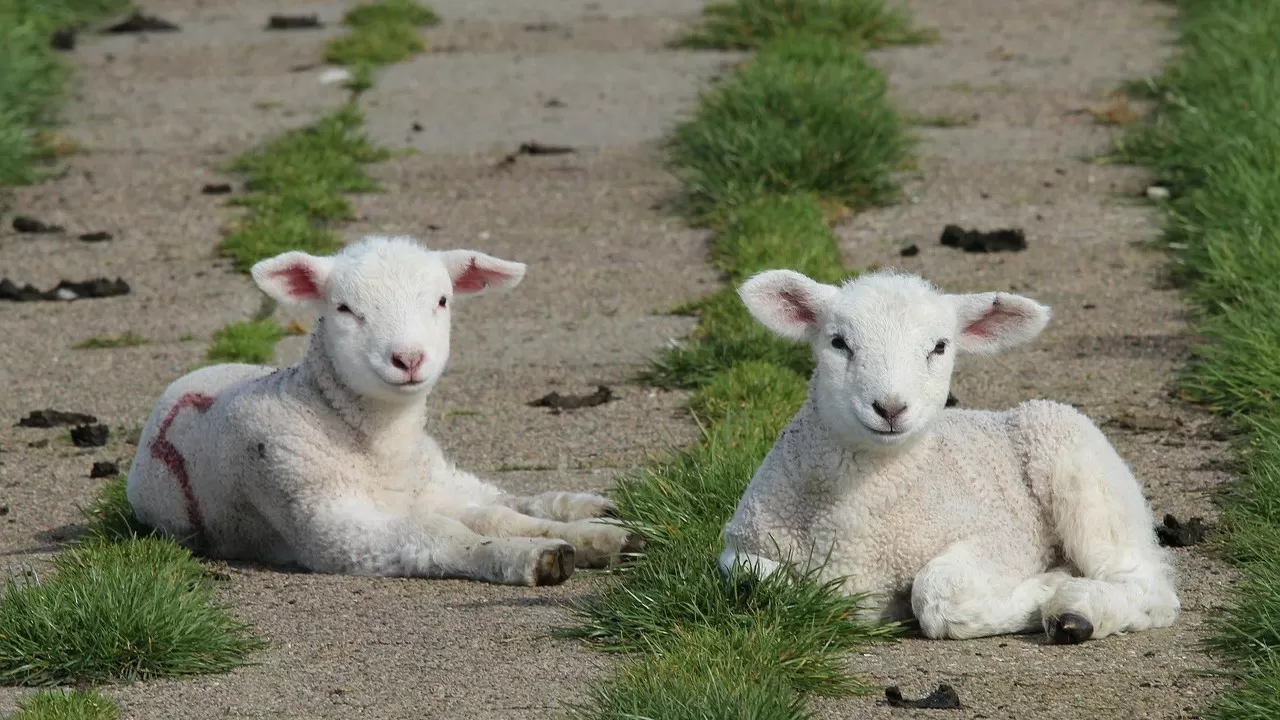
883 433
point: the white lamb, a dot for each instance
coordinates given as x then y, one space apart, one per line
976 523
327 465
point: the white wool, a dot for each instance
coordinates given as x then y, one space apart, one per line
971 522
326 464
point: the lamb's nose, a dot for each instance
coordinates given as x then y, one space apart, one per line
408 360
890 410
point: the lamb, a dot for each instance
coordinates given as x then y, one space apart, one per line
972 523
327 465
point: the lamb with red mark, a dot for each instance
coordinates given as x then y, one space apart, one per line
327 466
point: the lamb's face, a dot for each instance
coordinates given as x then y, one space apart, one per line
885 355
386 304
885 344
387 317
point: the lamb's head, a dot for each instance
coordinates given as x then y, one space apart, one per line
385 303
885 344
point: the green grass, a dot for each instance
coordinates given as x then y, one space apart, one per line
251 341
806 114
296 185
66 705
1215 142
34 78
117 610
750 24
101 343
800 130
381 33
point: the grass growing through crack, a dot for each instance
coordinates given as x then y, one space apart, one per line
750 24
296 185
381 33
807 114
34 79
801 129
126 340
66 705
251 341
1215 142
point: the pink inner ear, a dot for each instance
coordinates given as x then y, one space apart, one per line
993 321
475 278
796 309
302 284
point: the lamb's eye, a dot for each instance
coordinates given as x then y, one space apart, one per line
344 308
444 301
838 343
940 348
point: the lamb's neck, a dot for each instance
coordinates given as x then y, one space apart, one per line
377 422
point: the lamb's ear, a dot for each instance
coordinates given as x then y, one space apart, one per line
786 302
990 323
474 271
293 278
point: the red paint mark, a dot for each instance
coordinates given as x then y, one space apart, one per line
302 284
165 452
475 278
797 308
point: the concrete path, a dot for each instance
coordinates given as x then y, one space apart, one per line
158 114
1119 332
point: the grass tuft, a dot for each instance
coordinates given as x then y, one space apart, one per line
34 79
750 24
110 517
806 115
130 610
1215 142
296 184
66 705
251 341
381 33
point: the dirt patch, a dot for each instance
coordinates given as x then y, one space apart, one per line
558 402
978 241
63 291
87 436
53 418
25 224
1175 533
104 469
294 22
138 22
944 698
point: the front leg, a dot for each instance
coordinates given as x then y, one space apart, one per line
561 506
596 544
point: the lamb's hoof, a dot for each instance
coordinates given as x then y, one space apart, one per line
554 565
609 510
1069 629
633 544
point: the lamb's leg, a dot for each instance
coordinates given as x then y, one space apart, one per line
355 537
963 594
561 506
1106 529
552 505
596 543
